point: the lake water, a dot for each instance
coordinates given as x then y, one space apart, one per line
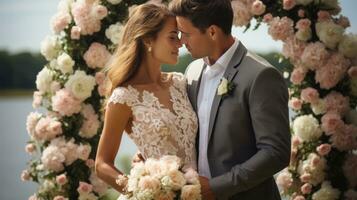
13 114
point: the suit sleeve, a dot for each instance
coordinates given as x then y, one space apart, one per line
268 105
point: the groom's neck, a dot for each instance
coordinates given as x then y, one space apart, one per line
221 45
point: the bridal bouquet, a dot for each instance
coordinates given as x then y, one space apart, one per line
162 179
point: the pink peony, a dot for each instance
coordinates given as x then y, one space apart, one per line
61 179
65 103
53 159
84 188
336 102
258 7
310 95
349 169
331 122
333 71
75 33
60 21
31 122
314 55
281 28
91 122
323 149
345 139
295 103
293 48
96 56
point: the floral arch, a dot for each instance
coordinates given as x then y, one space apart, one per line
323 94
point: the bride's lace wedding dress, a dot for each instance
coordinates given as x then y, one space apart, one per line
158 130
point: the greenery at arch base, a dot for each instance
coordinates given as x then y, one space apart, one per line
323 94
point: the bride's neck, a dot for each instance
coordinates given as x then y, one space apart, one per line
149 72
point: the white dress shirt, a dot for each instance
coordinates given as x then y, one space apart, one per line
210 80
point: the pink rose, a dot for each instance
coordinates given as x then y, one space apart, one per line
90 163
60 21
289 4
65 103
37 99
295 103
75 33
97 55
314 55
281 28
323 149
101 11
84 187
331 122
310 95
336 102
295 141
323 16
284 180
267 17
305 177
301 13
298 75
61 179
352 72
25 175
299 197
306 188
258 7
30 148
333 71
303 24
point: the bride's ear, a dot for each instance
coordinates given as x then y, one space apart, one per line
148 43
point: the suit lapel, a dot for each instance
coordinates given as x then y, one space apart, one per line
229 74
196 87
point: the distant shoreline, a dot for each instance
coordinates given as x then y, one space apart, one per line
15 93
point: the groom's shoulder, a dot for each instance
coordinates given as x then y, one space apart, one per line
257 61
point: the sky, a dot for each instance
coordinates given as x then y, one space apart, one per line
25 23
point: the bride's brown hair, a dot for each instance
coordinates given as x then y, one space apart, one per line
145 21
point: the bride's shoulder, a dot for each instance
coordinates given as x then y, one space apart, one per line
123 94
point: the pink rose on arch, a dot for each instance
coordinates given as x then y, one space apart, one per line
323 149
336 102
310 95
331 122
289 4
295 103
281 28
298 75
97 55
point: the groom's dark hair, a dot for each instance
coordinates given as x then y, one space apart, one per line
204 13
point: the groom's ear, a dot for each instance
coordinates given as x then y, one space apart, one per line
212 31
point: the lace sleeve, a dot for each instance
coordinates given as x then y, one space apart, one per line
123 96
179 79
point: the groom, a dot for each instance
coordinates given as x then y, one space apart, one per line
244 136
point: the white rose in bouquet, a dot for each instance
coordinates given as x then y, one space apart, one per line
81 84
114 32
307 128
50 47
348 46
44 79
329 33
65 63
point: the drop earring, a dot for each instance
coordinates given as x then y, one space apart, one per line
149 49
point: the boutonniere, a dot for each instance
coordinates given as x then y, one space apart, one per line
225 88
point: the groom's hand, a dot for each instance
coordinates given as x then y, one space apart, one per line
207 193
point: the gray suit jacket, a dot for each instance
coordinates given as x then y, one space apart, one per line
249 135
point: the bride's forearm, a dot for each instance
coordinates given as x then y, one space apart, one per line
108 173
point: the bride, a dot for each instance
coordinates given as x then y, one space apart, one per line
149 105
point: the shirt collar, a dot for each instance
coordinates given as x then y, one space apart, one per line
223 61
